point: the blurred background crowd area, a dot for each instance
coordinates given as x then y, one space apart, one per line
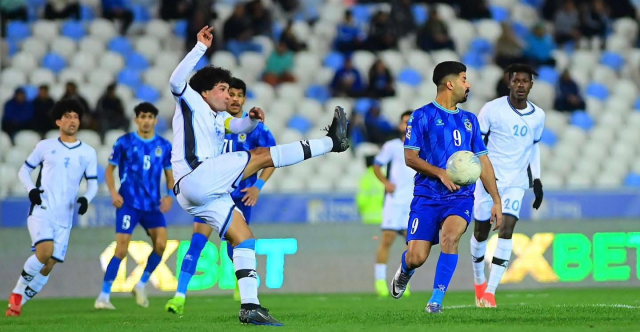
300 58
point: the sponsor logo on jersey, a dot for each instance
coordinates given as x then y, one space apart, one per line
439 122
242 137
408 132
158 151
467 125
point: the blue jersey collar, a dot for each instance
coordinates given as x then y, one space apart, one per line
146 140
533 108
444 109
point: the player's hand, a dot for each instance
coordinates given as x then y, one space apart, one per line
34 196
84 205
447 182
117 200
537 190
390 187
165 204
251 196
257 113
205 36
496 215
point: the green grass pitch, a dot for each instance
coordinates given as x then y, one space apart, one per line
537 311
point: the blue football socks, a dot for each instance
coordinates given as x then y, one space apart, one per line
188 268
444 272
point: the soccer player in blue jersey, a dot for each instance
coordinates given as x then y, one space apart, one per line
141 157
434 133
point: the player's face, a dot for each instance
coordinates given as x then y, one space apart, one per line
236 101
146 122
403 124
520 85
218 97
461 88
69 123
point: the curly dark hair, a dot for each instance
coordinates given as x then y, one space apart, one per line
208 77
65 106
520 68
145 108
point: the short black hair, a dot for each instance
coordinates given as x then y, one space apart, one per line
237 83
520 68
444 69
65 106
145 108
206 78
405 113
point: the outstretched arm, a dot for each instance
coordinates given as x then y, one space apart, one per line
246 124
178 80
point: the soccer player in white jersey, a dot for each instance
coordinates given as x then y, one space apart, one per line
63 162
206 177
397 202
512 126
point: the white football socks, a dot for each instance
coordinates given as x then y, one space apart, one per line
499 264
244 262
478 250
293 153
381 271
30 269
35 286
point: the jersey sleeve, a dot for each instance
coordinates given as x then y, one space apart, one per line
116 153
413 136
35 158
266 139
484 119
539 130
384 156
477 143
166 160
91 172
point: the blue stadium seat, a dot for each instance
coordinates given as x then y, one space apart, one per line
481 46
499 14
74 30
598 91
13 47
130 78
18 31
203 62
613 60
31 91
318 92
334 60
632 180
140 13
363 105
410 76
300 123
276 30
637 104
250 94
120 45
521 30
362 13
137 61
533 3
582 120
474 60
420 14
54 62
86 13
549 137
180 29
148 93
549 75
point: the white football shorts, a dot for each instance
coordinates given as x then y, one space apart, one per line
205 192
44 229
395 217
511 202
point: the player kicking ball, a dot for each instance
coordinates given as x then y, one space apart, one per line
207 176
397 202
512 126
246 194
141 157
63 162
434 133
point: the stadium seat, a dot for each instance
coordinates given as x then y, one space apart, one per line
5 142
180 28
474 60
610 120
618 44
45 30
18 31
489 30
606 181
324 29
102 29
394 61
543 94
312 110
584 60
74 30
112 136
92 46
363 60
573 135
615 168
137 61
626 90
363 105
71 75
263 91
26 140
42 76
626 27
334 60
601 134
499 14
224 59
147 93
282 108
592 152
112 62
64 46
299 123
597 90
26 62
331 104
54 62
158 28
410 77
252 61
130 78
90 137
324 76
582 120
169 60
291 92
120 45
12 78
318 92
578 181
420 14
85 62
405 91
465 32
587 169
549 75
157 78
35 46
148 46
100 78
392 108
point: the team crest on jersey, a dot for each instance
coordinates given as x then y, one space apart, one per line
242 137
467 124
408 132
439 122
158 151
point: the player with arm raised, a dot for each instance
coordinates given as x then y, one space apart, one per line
397 203
206 176
246 194
63 162
512 126
141 157
434 133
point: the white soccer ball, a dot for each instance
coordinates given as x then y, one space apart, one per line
464 168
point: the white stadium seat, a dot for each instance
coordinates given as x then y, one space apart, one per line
35 46
45 30
112 136
224 59
102 29
394 61
159 29
90 137
252 61
100 78
16 156
25 62
92 45
157 77
168 60
489 30
281 108
290 92
148 46
53 133
112 61
263 91
85 62
363 60
64 46
71 75
311 109
26 139
42 76
324 76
